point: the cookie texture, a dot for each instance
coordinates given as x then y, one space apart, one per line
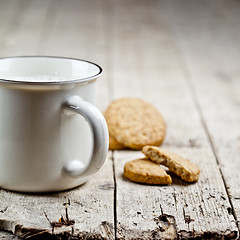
145 171
185 169
114 144
135 123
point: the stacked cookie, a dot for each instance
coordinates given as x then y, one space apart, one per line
136 124
148 170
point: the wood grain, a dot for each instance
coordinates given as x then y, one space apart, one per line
39 30
91 207
23 29
181 56
193 209
8 236
78 30
213 75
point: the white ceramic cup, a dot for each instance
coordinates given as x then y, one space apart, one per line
52 137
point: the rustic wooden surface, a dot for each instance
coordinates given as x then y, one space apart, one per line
183 57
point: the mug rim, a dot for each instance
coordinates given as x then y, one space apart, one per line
76 80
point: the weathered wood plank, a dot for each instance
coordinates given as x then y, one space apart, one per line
90 207
213 73
194 209
20 28
143 37
8 236
79 31
137 42
84 26
22 31
8 13
59 28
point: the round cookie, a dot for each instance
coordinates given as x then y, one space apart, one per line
145 171
135 123
114 144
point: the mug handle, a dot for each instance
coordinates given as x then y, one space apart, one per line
99 130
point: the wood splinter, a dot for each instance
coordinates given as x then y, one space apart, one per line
62 221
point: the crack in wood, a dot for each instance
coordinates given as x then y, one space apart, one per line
109 229
163 222
166 224
166 229
228 234
222 197
115 196
211 196
107 232
230 211
61 230
195 99
31 233
161 209
4 210
62 221
169 232
175 198
106 186
79 203
201 210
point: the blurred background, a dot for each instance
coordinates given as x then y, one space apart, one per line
181 55
136 39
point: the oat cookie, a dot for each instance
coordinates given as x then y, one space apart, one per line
180 166
146 171
135 123
114 144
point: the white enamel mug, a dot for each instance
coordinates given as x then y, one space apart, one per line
52 137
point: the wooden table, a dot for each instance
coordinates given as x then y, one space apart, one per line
181 56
